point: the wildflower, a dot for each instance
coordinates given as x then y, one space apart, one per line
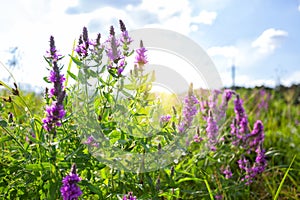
227 95
213 100
213 148
262 98
260 160
211 130
257 167
239 126
141 58
70 190
189 110
240 114
197 139
165 118
227 172
243 163
53 56
83 44
129 196
27 139
112 50
55 112
120 67
120 70
256 137
203 106
91 141
125 39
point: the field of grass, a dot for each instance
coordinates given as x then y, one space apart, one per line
69 142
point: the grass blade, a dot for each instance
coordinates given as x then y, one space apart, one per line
209 190
283 179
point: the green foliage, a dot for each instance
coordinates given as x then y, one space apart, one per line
122 115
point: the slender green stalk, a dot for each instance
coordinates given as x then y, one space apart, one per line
209 190
70 64
12 76
14 138
283 179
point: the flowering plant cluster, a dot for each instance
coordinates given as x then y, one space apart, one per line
106 116
246 145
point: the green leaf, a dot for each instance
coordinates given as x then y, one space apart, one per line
109 97
93 188
3 123
92 73
283 179
81 77
46 79
103 69
38 167
73 76
189 179
77 61
4 139
127 94
130 87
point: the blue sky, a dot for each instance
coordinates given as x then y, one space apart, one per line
261 37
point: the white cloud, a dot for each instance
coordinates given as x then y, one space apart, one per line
165 9
176 15
247 53
268 41
299 8
288 80
291 78
225 51
205 17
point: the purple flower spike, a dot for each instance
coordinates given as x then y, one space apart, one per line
55 112
239 126
212 130
53 56
189 111
256 137
227 95
125 39
120 67
70 190
141 58
112 47
83 44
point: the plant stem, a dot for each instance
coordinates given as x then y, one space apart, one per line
208 189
